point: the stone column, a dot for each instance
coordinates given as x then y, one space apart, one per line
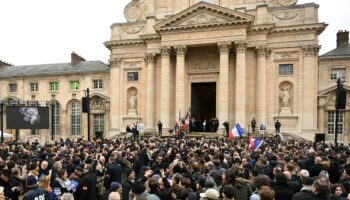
149 58
224 48
165 88
115 114
309 88
260 100
240 95
180 80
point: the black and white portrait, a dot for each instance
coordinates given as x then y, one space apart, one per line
23 117
30 114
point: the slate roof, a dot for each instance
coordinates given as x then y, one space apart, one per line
341 52
84 67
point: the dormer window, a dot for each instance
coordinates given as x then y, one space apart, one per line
338 73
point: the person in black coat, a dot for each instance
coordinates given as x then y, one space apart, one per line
317 168
160 187
86 189
160 128
283 192
5 182
34 193
306 190
113 173
320 189
127 183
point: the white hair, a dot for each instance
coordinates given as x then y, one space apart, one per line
67 196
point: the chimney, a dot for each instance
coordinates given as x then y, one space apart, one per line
3 63
342 38
75 58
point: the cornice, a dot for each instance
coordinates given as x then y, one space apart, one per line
150 37
318 28
264 28
110 44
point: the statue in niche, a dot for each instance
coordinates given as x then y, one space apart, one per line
285 97
132 102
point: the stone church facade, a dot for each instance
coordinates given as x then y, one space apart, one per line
259 59
231 59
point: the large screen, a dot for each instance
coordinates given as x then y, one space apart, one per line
27 117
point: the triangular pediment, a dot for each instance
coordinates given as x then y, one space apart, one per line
332 89
201 15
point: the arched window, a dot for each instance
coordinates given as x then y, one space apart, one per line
75 118
55 117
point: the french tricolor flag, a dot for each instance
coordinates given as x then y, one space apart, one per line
236 131
255 144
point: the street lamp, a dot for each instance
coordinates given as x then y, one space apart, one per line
53 107
340 103
86 108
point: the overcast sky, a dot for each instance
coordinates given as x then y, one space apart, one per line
47 31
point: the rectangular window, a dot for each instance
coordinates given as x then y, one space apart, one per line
13 87
285 69
99 122
53 86
98 84
331 122
74 85
338 74
133 76
34 87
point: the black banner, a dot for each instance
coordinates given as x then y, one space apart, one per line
27 117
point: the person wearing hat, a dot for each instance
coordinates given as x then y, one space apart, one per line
5 182
115 191
34 193
210 194
306 190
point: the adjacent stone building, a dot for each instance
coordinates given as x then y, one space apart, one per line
334 65
60 85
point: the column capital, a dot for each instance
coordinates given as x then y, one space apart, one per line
241 46
150 58
310 50
224 46
115 62
165 51
180 50
261 51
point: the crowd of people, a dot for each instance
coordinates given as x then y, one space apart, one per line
169 169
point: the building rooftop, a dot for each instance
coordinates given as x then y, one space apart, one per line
341 51
83 67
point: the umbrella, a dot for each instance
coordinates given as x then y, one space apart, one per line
7 135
